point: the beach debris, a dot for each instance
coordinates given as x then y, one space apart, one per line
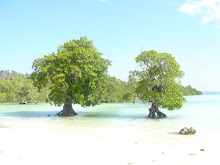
24 102
192 154
202 149
187 131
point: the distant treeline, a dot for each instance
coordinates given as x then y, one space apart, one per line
17 87
188 90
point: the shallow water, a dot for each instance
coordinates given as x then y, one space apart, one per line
198 111
119 120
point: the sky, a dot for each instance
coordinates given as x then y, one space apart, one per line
120 29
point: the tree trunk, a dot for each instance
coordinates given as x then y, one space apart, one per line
154 110
135 97
67 109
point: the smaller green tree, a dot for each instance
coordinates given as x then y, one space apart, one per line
158 81
76 74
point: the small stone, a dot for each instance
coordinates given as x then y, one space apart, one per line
192 154
187 131
136 142
163 153
191 131
202 149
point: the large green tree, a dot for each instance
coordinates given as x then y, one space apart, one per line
158 81
76 74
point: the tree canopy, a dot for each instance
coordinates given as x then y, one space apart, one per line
158 81
76 73
117 90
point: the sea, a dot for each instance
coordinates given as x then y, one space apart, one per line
201 112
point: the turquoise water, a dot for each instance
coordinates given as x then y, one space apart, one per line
201 112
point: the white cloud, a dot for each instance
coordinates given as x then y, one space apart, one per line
209 10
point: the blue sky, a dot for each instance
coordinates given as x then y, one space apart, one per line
121 29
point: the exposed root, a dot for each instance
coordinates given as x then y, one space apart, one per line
154 110
67 111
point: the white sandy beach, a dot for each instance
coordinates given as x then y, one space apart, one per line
40 144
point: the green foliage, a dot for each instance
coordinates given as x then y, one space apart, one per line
158 79
18 88
117 91
132 83
128 97
188 90
76 73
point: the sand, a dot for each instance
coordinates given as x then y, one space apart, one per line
30 145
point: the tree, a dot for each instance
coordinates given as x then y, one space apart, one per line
75 74
158 81
132 83
27 92
117 90
17 87
128 97
111 90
